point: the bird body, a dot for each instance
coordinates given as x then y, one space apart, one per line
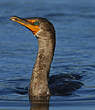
40 83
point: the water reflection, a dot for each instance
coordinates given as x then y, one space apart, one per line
41 103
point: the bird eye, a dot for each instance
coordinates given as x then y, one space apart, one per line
36 23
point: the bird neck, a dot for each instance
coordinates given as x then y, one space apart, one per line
39 80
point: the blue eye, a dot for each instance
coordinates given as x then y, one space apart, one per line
36 23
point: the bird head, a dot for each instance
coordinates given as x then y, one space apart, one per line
39 26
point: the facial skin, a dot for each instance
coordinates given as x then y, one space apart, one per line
32 24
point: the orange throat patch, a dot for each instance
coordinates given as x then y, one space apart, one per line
27 23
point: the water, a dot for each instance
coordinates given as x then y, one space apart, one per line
74 22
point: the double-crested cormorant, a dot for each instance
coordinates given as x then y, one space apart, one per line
45 33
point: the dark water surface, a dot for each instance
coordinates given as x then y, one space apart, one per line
74 22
